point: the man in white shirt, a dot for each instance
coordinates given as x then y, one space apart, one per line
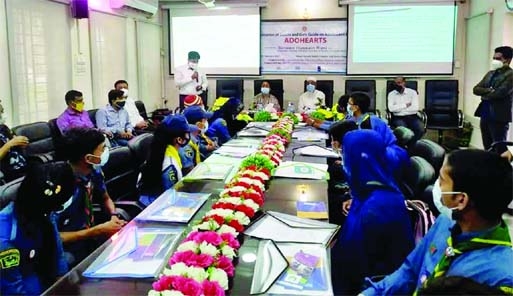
403 102
312 98
190 80
136 120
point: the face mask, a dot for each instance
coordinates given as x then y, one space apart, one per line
121 104
193 66
185 142
79 106
496 64
265 90
205 127
350 111
310 88
437 199
104 158
398 88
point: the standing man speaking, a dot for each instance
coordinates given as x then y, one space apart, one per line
189 80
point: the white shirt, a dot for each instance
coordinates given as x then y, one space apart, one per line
397 102
310 100
187 85
133 112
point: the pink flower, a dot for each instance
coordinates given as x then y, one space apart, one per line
212 288
230 240
187 286
164 283
191 236
190 258
225 264
210 237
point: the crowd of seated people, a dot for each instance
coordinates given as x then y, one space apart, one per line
375 239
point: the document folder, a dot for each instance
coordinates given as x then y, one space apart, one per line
172 206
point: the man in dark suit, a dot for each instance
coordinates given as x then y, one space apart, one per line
496 91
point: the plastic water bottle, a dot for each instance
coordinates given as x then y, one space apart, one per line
260 107
290 107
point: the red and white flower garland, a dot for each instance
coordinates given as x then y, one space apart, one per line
203 262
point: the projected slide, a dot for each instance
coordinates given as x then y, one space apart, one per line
228 44
304 46
399 39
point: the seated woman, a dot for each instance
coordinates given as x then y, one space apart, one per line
265 100
12 162
31 253
164 165
227 109
377 234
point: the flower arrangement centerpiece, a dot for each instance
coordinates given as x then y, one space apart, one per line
204 261
292 116
262 116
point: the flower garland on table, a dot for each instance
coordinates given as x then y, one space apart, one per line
203 262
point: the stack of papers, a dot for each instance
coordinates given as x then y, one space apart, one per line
314 150
135 252
172 206
281 227
302 170
310 135
238 152
253 132
312 209
247 143
210 171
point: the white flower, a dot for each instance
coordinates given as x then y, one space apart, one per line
153 293
197 273
206 248
171 293
177 269
250 203
227 229
261 175
220 277
228 251
233 200
241 217
188 246
207 225
252 182
221 212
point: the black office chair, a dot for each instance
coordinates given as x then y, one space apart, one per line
8 192
430 151
326 86
365 86
92 115
413 84
276 88
141 147
142 109
417 177
441 106
230 88
41 147
405 137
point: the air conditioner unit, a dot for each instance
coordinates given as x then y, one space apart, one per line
147 6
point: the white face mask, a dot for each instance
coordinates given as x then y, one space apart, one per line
496 64
265 90
205 128
193 66
437 199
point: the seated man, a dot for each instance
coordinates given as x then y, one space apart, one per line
113 120
136 120
469 238
197 116
312 98
86 152
265 100
74 115
403 102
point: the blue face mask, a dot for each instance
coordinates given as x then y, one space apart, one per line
265 90
310 88
104 158
437 200
350 111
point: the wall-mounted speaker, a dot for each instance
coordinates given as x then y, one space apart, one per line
79 9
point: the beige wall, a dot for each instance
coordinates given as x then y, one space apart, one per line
293 84
489 25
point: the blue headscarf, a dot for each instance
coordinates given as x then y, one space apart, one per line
365 163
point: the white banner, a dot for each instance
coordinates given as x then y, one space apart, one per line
318 46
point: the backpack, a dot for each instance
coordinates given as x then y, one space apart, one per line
421 217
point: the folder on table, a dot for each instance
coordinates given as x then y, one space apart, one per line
172 206
302 170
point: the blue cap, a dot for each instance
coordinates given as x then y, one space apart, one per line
195 114
177 123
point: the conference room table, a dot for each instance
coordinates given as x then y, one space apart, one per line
281 196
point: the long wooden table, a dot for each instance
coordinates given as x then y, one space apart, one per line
281 196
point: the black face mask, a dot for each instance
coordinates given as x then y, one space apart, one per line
398 87
120 104
187 140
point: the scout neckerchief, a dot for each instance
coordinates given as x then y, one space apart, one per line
88 198
195 147
499 236
209 142
173 153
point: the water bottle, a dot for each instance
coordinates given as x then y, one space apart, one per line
290 107
260 107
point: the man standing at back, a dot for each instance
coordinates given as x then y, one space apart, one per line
190 80
496 91
403 102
